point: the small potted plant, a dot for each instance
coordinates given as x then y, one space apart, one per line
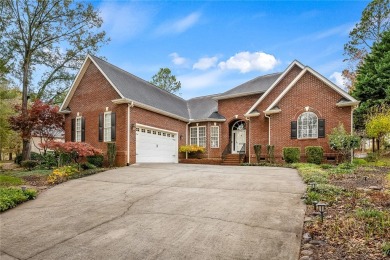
194 151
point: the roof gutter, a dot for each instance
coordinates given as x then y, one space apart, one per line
150 108
237 95
252 114
270 112
206 120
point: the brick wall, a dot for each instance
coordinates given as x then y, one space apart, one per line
311 92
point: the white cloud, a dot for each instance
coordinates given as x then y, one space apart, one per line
246 62
177 60
205 63
199 81
338 79
125 20
180 25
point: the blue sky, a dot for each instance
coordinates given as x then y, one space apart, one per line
212 46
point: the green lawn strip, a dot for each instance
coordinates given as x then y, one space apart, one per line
23 173
12 196
6 181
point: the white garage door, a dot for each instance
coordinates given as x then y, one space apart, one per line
156 145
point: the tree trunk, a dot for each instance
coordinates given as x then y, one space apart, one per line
26 143
373 145
26 153
10 156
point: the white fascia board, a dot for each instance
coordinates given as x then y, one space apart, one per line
206 120
295 62
237 95
252 114
348 104
149 108
270 112
75 83
287 89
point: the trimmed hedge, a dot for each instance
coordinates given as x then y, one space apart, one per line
292 154
257 148
314 154
96 160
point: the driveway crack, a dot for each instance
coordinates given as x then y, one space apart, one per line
101 224
5 253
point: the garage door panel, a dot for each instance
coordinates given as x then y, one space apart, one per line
156 146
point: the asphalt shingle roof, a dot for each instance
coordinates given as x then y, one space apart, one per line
259 84
139 90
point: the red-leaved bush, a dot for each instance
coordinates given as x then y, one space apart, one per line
75 149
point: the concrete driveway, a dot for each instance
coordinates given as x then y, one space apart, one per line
162 211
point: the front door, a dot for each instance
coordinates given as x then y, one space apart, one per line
238 136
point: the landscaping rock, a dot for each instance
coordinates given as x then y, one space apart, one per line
307 219
306 237
317 242
375 188
305 258
307 246
307 252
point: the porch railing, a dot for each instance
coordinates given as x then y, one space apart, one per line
242 153
227 150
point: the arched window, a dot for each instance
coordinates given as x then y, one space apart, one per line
307 125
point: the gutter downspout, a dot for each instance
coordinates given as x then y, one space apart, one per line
128 131
269 129
249 138
187 137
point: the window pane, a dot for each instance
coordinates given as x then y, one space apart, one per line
107 127
308 125
202 136
214 137
193 135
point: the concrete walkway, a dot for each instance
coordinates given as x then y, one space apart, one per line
162 211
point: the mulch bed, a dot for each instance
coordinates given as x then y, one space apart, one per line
342 235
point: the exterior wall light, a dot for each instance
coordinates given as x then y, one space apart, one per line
133 127
315 204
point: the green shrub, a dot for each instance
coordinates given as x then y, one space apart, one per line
326 166
87 166
386 248
18 159
36 157
10 181
49 161
257 148
96 160
372 157
270 153
314 154
111 154
10 197
29 164
64 159
292 154
358 161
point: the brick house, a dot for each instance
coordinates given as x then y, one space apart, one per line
297 107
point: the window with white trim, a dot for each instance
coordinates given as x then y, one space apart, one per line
214 136
198 136
107 127
78 129
307 125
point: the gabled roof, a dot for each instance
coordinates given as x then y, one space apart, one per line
255 86
347 101
275 83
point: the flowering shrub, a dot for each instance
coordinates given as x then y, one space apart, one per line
76 150
191 149
62 174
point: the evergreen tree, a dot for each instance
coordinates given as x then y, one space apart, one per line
165 80
373 80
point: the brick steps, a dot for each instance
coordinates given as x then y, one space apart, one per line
231 159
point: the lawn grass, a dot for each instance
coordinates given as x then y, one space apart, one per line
23 173
6 181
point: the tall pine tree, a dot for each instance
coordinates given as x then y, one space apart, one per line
373 80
